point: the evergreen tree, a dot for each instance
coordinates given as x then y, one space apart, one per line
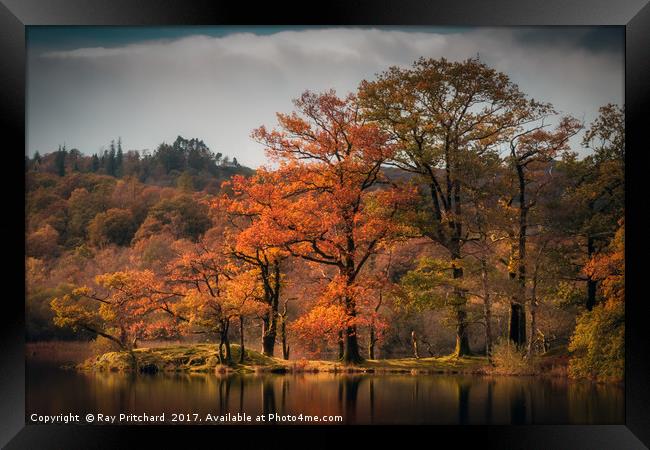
119 159
59 161
94 163
74 156
110 163
103 163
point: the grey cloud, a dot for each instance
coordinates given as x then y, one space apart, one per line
220 88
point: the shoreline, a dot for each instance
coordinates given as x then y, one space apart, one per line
203 358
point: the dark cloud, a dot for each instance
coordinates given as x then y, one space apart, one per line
596 39
219 88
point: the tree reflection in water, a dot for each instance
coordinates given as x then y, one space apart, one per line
360 399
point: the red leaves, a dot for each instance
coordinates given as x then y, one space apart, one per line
321 203
608 267
328 202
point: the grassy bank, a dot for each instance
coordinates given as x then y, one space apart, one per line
204 358
161 356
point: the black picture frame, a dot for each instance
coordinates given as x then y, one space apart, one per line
15 15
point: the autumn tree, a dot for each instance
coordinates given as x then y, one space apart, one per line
598 343
183 215
115 226
531 155
213 292
595 195
83 207
483 251
444 117
124 308
43 243
248 245
329 201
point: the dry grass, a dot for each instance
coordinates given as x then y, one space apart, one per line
507 359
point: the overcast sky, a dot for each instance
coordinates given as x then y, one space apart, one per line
88 85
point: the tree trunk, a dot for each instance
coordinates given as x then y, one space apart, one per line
462 341
242 349
517 324
283 337
533 303
226 342
371 341
517 308
341 345
462 337
533 318
272 296
351 353
414 342
268 334
228 351
487 309
221 357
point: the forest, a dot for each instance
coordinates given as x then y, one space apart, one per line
438 210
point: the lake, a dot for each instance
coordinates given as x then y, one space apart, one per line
358 399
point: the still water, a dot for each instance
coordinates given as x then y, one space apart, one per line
359 399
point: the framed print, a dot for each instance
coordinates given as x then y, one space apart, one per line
380 221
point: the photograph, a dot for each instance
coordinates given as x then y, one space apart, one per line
325 225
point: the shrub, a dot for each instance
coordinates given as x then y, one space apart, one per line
508 359
598 344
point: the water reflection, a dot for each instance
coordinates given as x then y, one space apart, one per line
360 399
463 401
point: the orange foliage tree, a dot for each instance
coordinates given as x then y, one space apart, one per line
212 292
125 307
328 202
245 244
597 345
